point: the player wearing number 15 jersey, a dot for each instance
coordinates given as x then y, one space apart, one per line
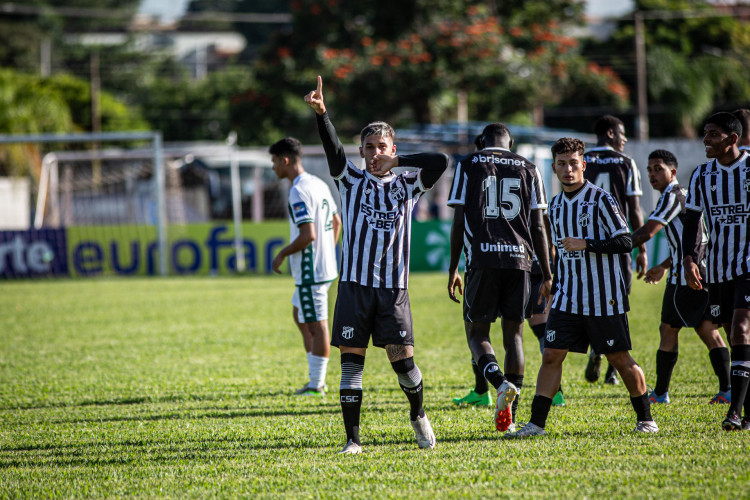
501 199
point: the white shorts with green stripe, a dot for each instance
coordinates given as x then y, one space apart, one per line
311 302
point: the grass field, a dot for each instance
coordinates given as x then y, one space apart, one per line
181 387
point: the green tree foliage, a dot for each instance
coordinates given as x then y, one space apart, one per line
199 109
404 60
27 106
30 104
698 61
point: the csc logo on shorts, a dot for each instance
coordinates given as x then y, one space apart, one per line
550 335
715 310
347 332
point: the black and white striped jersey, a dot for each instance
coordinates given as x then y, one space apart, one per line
376 216
670 211
498 190
614 172
588 283
723 195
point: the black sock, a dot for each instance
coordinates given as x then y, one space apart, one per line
665 362
350 393
410 380
610 369
720 361
480 383
642 407
740 376
491 370
516 380
540 406
539 332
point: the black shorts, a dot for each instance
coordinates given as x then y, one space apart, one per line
492 293
363 311
575 332
684 307
725 297
532 307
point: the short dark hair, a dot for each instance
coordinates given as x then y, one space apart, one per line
479 142
725 121
743 115
605 124
377 128
288 146
662 154
496 131
567 145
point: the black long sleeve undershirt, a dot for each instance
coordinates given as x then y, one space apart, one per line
432 165
619 244
331 145
691 240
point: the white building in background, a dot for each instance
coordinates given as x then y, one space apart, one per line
200 51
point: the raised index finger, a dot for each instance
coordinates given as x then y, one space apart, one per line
320 84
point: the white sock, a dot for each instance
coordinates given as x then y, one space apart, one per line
318 367
309 368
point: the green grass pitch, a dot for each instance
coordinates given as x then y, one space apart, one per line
181 387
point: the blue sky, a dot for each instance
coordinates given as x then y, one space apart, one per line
168 10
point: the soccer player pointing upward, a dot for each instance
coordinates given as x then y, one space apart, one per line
373 300
590 300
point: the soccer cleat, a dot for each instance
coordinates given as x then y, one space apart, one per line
593 367
423 432
656 398
527 431
722 398
351 448
746 423
473 399
732 422
559 399
306 390
646 427
611 377
506 393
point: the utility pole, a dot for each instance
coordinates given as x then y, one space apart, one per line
641 123
96 116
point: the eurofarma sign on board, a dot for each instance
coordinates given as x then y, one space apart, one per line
194 249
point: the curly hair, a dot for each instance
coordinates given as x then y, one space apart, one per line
665 156
568 145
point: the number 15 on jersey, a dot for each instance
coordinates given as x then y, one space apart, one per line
503 200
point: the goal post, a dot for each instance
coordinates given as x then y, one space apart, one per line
47 179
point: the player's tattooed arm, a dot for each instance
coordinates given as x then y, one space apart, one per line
646 232
399 352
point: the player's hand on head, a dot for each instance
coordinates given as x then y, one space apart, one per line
315 98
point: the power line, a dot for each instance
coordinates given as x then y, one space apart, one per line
15 9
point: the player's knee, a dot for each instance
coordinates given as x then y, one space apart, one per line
403 365
408 372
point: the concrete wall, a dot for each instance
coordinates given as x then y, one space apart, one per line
14 203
